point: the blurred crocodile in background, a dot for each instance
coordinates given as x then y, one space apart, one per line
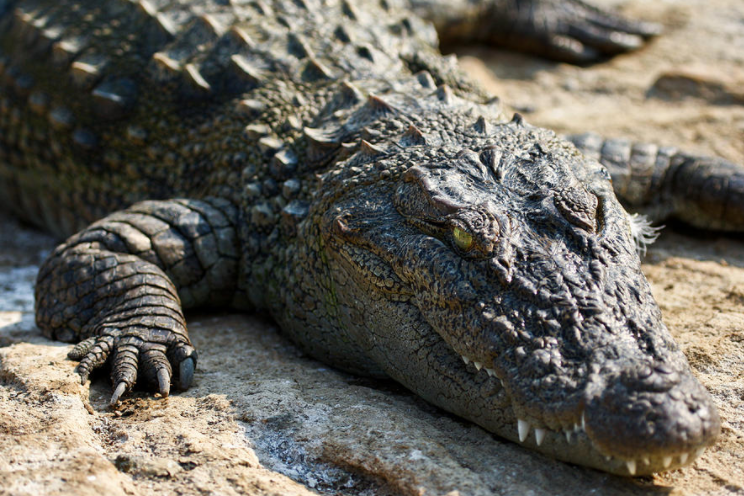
322 161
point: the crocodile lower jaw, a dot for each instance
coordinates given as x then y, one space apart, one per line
544 437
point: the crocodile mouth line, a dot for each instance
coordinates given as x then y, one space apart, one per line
571 434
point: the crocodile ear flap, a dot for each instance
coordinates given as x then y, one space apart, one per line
342 224
341 227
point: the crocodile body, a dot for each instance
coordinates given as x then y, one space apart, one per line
323 162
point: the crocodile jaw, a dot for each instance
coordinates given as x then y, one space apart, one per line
566 418
628 408
578 443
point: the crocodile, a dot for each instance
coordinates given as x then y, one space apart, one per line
322 161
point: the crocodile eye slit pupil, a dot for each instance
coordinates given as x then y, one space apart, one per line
463 239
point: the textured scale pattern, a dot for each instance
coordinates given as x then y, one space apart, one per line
322 161
123 93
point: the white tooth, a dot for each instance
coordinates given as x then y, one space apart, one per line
539 435
683 457
465 359
583 421
478 365
608 458
523 427
646 461
502 383
577 428
699 452
568 436
631 464
491 372
667 461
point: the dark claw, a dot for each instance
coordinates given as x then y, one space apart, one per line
186 372
118 392
570 50
163 382
606 41
617 23
84 373
647 29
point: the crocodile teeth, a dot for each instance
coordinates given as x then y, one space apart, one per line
683 457
523 427
583 421
465 359
478 365
699 452
568 436
539 435
667 461
646 460
491 372
631 464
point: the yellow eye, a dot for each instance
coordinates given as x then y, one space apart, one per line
463 239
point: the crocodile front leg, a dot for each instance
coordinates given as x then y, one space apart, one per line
663 182
565 30
119 287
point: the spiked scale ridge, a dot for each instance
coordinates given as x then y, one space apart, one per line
192 54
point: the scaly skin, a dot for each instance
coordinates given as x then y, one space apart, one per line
329 166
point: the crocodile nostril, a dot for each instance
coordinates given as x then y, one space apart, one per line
644 371
655 377
659 415
663 368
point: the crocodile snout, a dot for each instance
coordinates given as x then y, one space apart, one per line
651 415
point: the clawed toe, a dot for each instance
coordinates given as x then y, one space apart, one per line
571 50
121 388
186 372
132 357
186 357
617 23
164 380
606 40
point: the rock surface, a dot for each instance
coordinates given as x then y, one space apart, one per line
263 419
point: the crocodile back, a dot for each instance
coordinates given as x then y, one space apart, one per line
104 103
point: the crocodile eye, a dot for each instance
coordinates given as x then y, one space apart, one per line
463 239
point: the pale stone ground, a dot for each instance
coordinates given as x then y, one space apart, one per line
263 419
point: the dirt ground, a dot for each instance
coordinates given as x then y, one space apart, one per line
262 418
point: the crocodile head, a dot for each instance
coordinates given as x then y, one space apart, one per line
496 276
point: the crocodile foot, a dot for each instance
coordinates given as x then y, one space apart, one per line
136 352
565 30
